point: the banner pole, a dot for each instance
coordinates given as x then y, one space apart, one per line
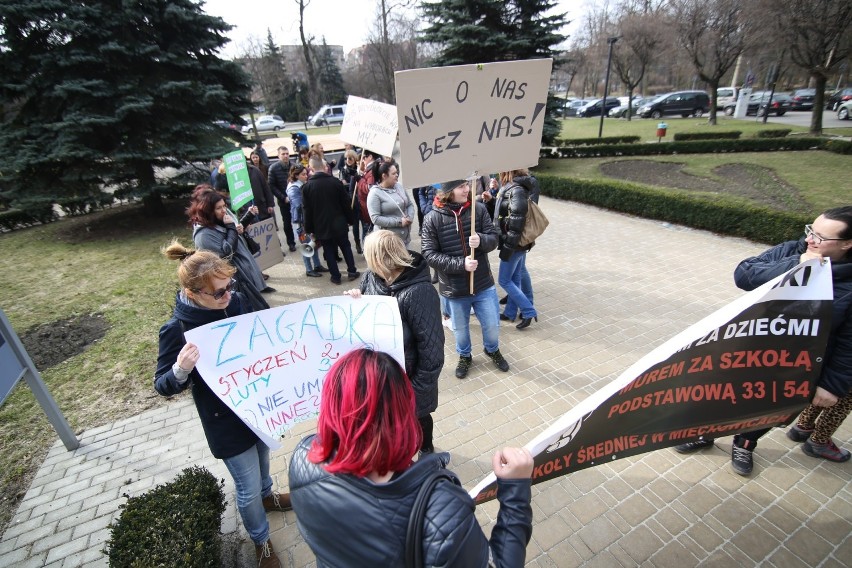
472 197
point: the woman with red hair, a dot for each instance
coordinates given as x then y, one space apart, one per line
353 485
215 229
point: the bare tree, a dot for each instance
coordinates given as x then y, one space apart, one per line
267 69
308 54
819 36
641 35
390 46
713 33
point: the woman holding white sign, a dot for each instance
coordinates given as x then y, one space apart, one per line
389 206
207 295
360 500
404 275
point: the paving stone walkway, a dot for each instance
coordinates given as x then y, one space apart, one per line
608 289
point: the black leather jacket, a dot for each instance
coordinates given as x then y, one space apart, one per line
444 245
510 213
351 521
836 375
422 332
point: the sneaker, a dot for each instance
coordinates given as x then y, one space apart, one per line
828 451
313 274
277 502
690 447
465 361
497 357
799 434
741 460
353 275
266 557
320 269
448 323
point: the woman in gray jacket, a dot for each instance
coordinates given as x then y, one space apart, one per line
389 206
404 274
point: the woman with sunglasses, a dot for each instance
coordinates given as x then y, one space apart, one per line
829 237
354 483
207 295
216 230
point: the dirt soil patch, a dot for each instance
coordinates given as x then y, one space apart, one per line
757 183
54 342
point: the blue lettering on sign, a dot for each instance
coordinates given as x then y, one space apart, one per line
254 333
230 325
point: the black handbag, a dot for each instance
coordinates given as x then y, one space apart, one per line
252 245
414 534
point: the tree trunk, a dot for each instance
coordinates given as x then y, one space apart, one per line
714 101
152 200
819 104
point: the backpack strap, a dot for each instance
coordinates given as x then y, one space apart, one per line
414 534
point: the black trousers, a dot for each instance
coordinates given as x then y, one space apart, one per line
427 425
284 207
329 252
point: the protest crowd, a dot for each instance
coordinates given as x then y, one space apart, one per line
374 454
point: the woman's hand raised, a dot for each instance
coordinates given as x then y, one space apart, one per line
512 463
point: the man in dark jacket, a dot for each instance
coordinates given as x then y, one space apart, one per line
261 194
279 178
446 242
328 215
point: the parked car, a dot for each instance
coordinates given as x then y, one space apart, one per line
725 97
226 124
684 103
621 111
328 114
844 110
803 99
266 122
841 96
593 107
572 107
758 101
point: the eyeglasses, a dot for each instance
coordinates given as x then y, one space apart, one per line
219 294
809 232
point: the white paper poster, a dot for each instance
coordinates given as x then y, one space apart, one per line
269 366
369 124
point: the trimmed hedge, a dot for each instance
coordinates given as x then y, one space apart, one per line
689 147
729 135
719 215
27 214
85 204
838 146
176 524
597 141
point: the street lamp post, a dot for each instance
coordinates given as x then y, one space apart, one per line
611 41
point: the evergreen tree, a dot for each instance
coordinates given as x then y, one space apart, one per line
486 31
102 92
330 78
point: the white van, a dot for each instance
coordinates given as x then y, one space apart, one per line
328 114
726 97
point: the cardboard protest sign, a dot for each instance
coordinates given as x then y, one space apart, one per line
369 124
269 366
455 121
265 234
239 185
750 365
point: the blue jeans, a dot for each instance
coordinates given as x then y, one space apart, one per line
307 260
515 280
250 471
486 309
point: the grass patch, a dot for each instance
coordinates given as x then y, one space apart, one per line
820 177
646 128
107 262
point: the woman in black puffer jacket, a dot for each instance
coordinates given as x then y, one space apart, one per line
403 274
510 216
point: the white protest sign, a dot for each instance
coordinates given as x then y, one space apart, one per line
369 124
265 234
269 366
454 121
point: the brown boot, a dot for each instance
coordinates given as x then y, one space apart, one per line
277 502
266 557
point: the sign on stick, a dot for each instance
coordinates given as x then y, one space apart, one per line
369 124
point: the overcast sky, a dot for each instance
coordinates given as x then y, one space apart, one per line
342 22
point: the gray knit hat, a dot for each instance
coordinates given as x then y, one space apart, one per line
448 186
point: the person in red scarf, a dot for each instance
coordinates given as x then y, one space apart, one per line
447 241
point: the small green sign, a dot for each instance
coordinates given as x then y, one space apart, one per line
238 179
